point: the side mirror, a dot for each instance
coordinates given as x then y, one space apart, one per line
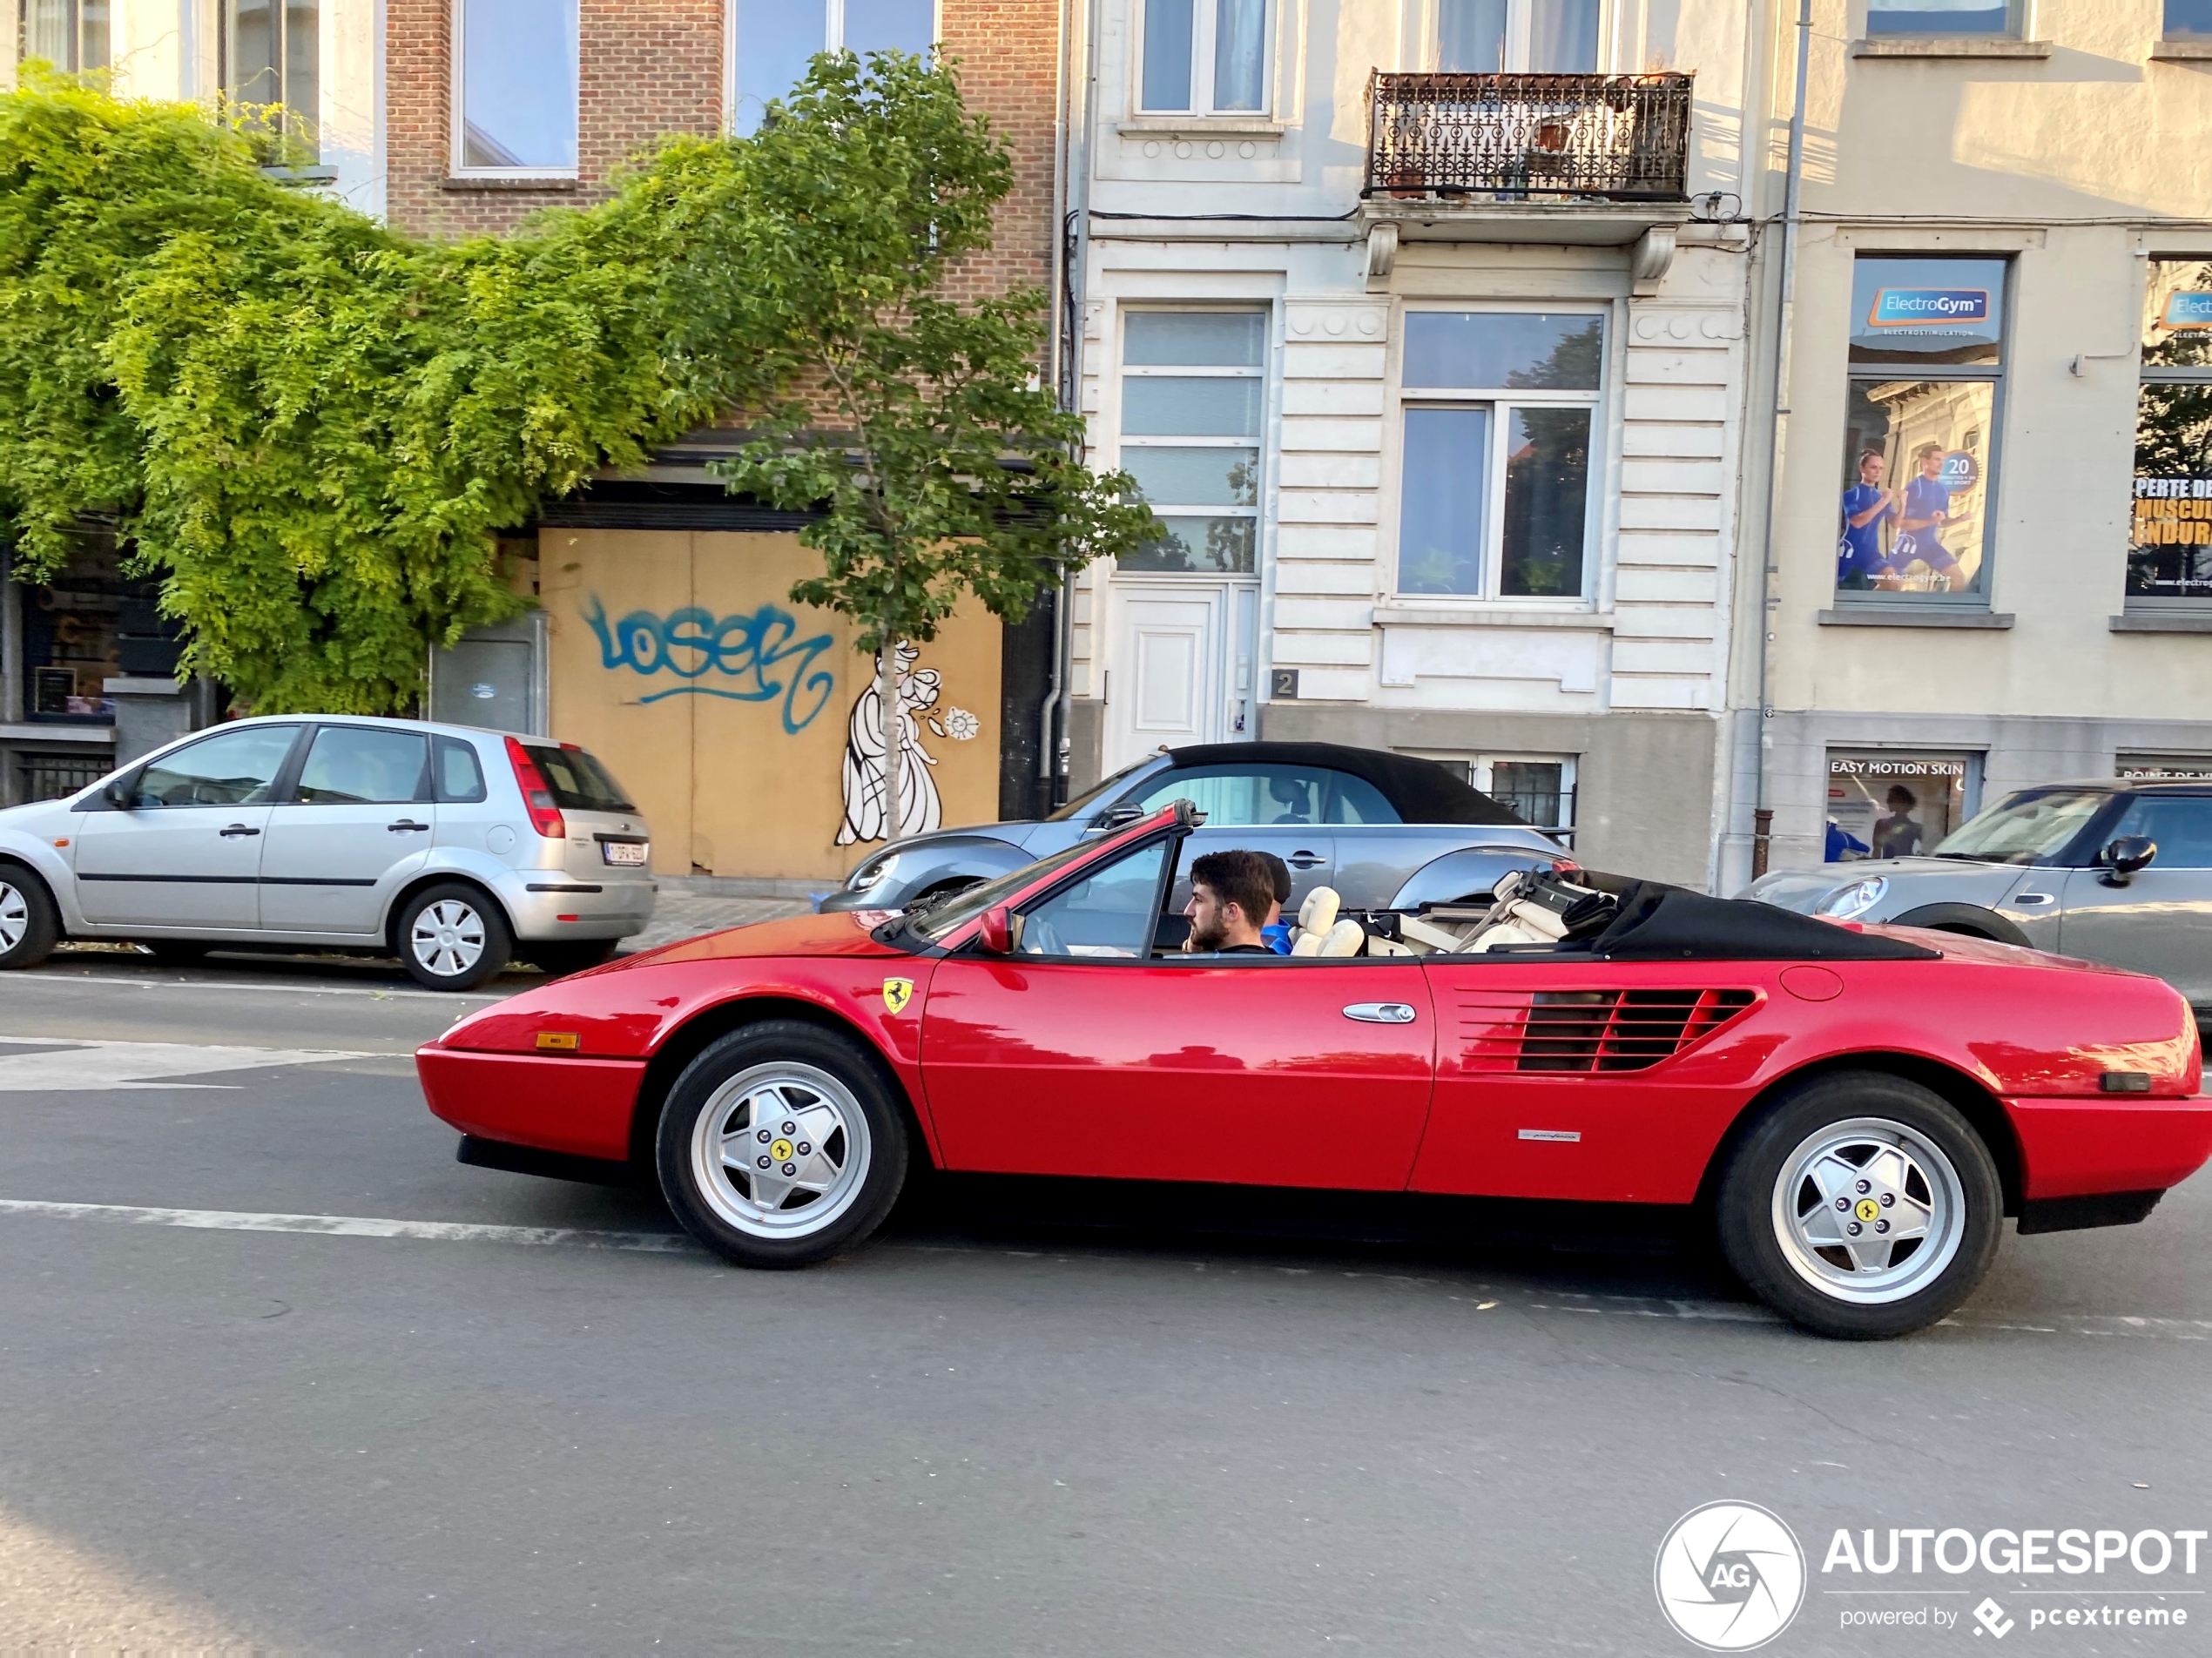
1001 931
1117 817
2125 856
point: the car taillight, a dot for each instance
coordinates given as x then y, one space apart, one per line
545 817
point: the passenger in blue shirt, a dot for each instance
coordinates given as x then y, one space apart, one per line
1860 562
1927 509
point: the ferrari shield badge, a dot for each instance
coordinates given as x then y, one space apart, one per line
897 992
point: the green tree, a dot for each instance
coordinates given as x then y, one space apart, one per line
914 423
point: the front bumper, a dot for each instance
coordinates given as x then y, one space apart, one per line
581 1106
550 904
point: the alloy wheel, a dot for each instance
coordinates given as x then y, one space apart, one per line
1869 1211
448 937
780 1151
15 916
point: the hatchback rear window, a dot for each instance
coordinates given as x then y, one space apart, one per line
578 782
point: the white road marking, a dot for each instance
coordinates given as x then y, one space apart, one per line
231 1220
278 988
84 1066
1672 1309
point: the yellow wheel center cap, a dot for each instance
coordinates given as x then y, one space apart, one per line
781 1152
1867 1209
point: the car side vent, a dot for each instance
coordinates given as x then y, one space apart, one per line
1591 1030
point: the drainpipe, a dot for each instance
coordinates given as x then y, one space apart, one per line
1048 710
1762 811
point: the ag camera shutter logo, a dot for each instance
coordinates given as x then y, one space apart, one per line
1729 1576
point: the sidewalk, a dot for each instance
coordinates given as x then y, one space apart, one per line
684 912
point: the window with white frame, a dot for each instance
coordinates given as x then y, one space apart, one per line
272 51
775 39
1945 16
1516 37
1499 415
1537 788
1205 56
1194 385
71 35
514 88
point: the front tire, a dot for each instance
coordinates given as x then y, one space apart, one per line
451 937
30 924
781 1145
1861 1206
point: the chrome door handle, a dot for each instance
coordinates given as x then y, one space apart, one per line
2033 898
1381 1012
1304 859
237 829
404 826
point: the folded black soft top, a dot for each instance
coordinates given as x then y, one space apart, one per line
1657 922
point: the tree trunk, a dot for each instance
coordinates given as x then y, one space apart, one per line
887 693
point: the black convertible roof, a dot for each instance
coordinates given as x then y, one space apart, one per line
1422 790
1657 922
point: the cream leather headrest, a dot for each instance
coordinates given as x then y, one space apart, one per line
1347 937
1318 913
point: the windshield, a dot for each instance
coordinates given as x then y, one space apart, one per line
1083 803
935 923
2024 828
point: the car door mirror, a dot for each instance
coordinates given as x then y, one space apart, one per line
1000 931
2125 856
1117 817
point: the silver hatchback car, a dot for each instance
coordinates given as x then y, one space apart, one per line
2108 871
454 848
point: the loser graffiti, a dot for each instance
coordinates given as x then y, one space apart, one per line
756 656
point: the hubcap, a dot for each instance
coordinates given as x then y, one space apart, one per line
448 938
1869 1211
780 1151
15 916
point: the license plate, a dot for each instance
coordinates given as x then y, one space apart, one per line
631 852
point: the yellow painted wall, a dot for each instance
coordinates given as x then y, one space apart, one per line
735 749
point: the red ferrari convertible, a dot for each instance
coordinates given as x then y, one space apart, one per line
1857 1109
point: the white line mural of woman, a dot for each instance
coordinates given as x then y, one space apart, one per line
920 808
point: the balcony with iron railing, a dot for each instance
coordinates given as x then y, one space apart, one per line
1599 157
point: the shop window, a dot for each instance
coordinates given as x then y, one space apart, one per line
1887 804
1936 17
1204 57
2160 768
1193 387
515 80
2188 19
775 41
1494 36
71 640
2170 551
1498 411
1926 378
68 34
270 55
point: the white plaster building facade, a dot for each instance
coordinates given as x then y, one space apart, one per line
1437 374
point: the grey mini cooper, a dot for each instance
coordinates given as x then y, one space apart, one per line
2115 871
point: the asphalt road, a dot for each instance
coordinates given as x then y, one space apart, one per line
484 1411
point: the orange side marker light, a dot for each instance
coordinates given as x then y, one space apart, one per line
558 1040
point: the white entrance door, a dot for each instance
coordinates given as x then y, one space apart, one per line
1178 665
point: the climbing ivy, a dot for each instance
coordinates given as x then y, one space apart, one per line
311 426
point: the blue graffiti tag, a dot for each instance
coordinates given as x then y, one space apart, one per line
690 642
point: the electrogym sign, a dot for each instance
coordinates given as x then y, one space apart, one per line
1923 308
2187 310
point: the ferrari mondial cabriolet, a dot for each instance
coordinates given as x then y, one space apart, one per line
1856 1108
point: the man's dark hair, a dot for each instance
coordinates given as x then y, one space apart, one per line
1237 877
1281 872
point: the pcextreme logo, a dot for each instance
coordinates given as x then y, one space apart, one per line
1729 1576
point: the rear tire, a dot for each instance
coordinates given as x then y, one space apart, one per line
30 924
452 937
562 958
1861 1206
813 1106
